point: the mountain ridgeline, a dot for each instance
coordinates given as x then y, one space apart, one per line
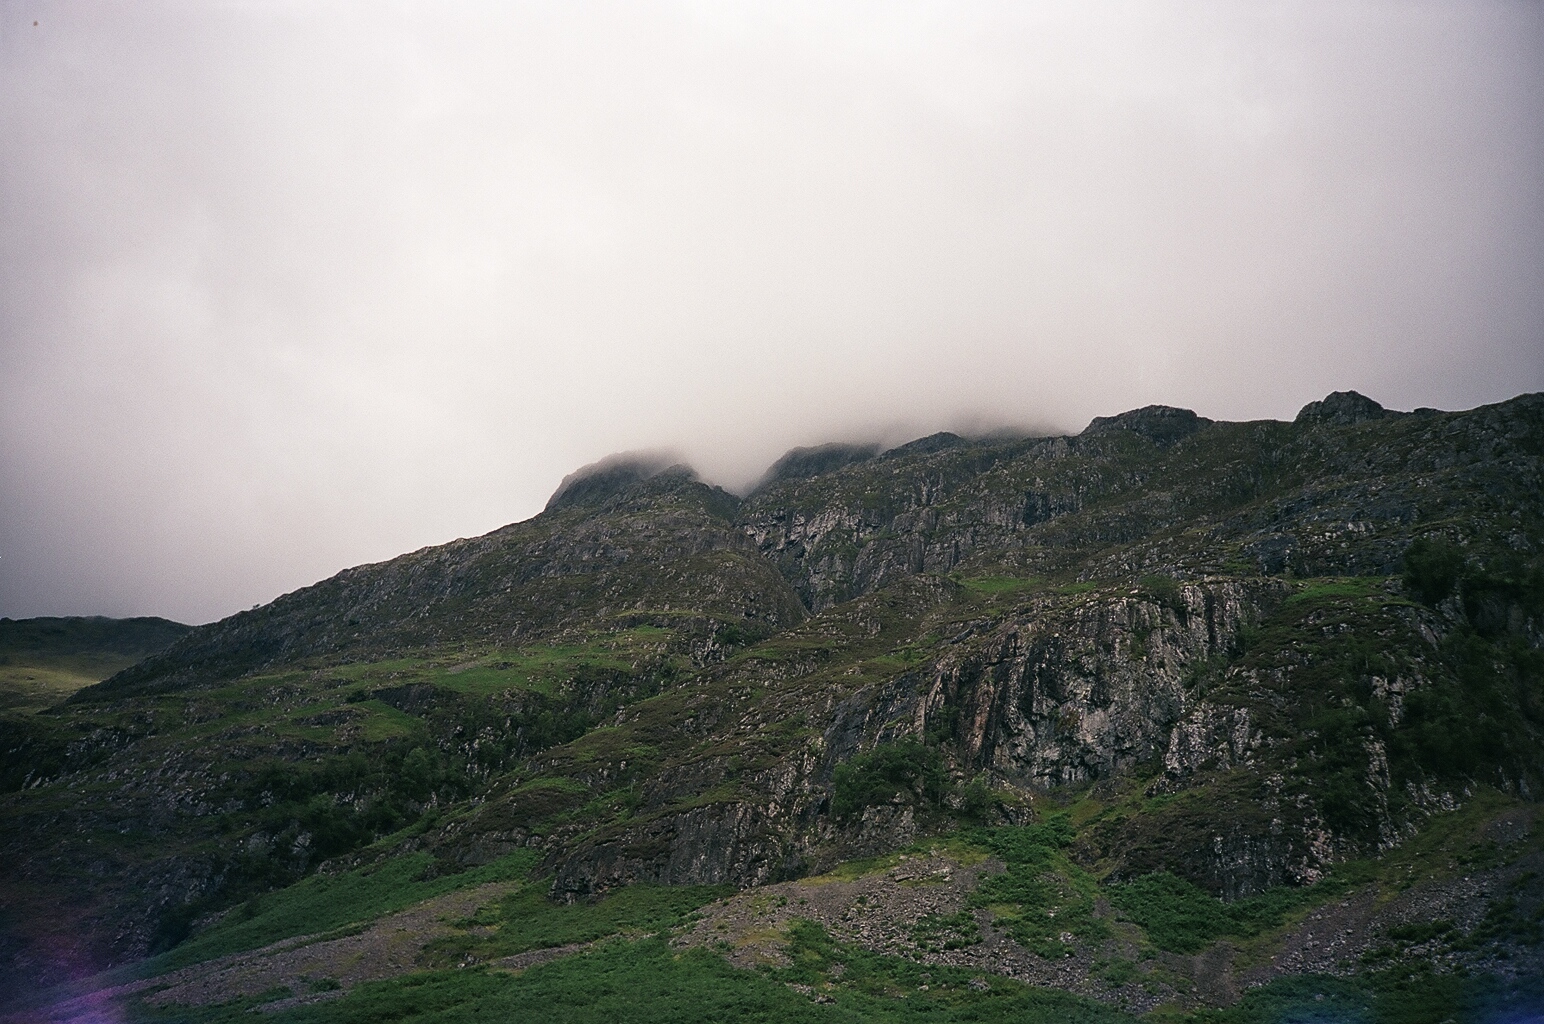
1231 658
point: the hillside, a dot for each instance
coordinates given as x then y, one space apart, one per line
44 660
1171 716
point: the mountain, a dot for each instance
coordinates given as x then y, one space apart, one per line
44 660
1171 716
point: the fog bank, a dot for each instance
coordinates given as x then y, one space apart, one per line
287 287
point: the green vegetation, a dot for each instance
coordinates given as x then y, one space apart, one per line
527 919
858 984
1182 918
942 932
645 981
1406 995
638 982
31 688
1432 568
870 986
311 765
1329 592
1046 901
1000 586
323 904
1353 655
1163 591
902 771
43 661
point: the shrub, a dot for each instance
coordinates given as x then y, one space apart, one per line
905 770
1433 567
1181 918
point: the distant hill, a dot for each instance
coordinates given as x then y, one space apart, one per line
44 660
1229 721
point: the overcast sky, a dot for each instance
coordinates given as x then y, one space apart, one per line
289 286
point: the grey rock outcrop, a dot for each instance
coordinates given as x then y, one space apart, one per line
613 475
802 463
1342 408
1070 695
1160 424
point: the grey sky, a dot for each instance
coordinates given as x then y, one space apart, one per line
286 287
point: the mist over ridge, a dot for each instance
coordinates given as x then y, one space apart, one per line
1161 423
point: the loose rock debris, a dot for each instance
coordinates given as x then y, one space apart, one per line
881 911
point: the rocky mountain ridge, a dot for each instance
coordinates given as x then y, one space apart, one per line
1256 652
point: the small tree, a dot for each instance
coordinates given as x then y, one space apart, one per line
1433 567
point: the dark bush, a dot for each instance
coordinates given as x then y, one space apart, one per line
1433 567
1176 915
1164 591
906 770
977 801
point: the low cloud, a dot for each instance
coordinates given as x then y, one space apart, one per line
288 287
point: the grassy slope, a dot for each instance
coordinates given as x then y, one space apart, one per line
637 978
559 791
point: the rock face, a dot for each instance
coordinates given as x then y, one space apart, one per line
1271 495
1161 424
802 463
1062 695
608 478
1263 647
1341 408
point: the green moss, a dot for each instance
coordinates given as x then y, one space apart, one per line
1330 590
384 722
